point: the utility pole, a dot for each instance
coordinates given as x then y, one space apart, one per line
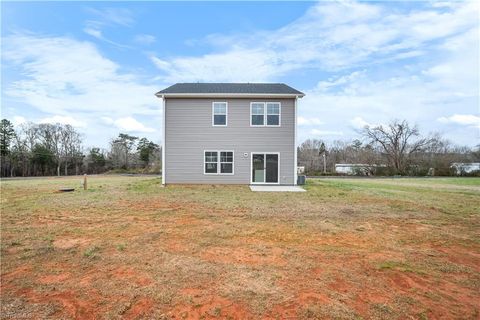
324 163
323 151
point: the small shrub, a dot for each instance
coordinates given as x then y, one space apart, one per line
91 252
399 266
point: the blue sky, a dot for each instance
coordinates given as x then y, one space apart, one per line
96 65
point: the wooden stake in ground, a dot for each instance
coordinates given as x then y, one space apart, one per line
85 181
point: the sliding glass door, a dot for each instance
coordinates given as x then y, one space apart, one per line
271 168
265 167
258 168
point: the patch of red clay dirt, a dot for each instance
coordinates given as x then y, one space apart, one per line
305 298
453 301
71 304
142 307
405 281
13 250
246 256
70 243
20 272
461 255
156 205
367 296
54 278
173 245
195 292
130 274
291 308
339 285
210 307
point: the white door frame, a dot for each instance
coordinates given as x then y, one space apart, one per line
265 168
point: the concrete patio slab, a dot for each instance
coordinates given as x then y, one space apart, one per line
277 189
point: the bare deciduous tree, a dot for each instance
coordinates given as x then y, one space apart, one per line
71 146
309 154
398 141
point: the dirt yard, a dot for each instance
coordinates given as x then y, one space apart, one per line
346 249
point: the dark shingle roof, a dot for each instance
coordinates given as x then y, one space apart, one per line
230 88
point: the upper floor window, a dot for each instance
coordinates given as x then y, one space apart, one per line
273 113
265 114
219 113
257 111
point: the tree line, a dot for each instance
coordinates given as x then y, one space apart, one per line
397 148
32 149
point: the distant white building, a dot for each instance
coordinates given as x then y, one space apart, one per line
462 168
356 168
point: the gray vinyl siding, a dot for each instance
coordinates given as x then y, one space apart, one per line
189 132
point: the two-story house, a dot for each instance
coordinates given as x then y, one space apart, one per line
229 133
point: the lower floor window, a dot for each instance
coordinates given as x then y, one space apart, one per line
211 161
218 162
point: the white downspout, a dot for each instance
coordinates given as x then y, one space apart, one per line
295 175
163 140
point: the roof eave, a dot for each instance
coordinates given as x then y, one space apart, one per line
229 95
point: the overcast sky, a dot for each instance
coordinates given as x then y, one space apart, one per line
97 66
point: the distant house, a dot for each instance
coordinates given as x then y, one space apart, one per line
229 133
301 170
465 168
356 169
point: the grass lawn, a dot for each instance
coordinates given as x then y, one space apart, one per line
346 249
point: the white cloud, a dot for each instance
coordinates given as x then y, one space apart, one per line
108 17
65 76
420 93
93 32
108 120
128 124
462 119
377 63
63 120
317 132
145 39
325 38
94 28
18 120
301 121
161 64
359 123
342 80
118 16
218 67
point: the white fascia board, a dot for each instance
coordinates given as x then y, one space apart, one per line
229 95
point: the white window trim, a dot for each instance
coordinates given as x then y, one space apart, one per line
265 114
213 114
205 162
279 114
220 163
265 155
251 114
218 173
